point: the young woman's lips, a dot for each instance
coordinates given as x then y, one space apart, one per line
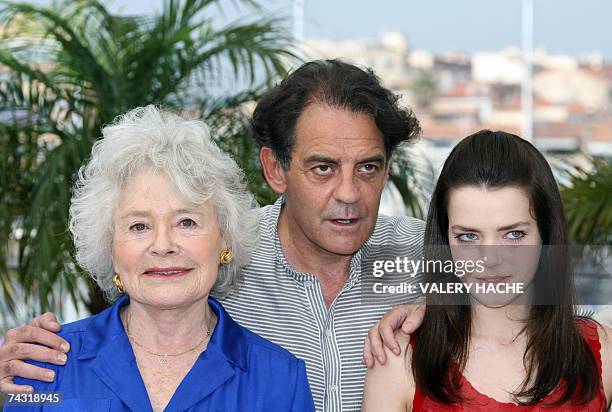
167 272
495 279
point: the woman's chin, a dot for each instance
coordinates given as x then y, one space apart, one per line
170 299
497 300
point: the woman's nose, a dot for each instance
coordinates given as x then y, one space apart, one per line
163 243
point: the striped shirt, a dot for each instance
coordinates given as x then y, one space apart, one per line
287 307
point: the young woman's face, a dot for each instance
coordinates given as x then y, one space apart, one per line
497 227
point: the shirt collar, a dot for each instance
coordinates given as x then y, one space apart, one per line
106 327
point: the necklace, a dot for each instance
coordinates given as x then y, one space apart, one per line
162 358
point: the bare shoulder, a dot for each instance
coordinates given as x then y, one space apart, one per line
390 387
605 338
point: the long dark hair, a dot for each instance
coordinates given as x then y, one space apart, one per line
556 351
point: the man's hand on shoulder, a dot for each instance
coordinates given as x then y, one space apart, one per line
26 343
404 319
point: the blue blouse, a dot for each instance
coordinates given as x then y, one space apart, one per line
238 371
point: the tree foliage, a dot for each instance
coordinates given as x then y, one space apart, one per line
68 69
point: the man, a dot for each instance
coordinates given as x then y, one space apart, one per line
327 133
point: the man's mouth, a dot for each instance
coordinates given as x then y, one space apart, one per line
344 222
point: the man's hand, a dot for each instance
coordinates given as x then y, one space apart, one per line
24 344
403 318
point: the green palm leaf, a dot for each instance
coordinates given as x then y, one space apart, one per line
69 69
588 204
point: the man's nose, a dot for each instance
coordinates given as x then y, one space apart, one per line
347 189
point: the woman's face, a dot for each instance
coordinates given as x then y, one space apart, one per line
497 227
165 249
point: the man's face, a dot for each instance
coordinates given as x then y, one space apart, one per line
336 176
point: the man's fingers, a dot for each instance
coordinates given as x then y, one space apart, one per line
46 321
376 345
28 351
33 334
367 354
7 386
406 318
388 336
19 368
414 319
390 323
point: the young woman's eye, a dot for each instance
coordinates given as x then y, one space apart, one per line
515 235
188 223
322 170
138 227
467 237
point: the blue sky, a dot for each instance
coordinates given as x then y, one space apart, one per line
561 26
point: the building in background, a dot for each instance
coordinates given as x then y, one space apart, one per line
455 94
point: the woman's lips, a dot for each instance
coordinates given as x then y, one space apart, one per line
495 279
166 272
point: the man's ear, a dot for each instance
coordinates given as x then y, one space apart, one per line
273 170
388 168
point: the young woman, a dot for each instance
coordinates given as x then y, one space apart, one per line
478 351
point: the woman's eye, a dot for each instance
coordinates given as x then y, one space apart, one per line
467 237
138 227
515 235
187 223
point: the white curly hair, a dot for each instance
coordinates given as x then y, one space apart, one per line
147 137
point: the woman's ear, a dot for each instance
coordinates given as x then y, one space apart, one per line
273 170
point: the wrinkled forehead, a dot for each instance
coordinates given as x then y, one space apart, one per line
336 133
153 190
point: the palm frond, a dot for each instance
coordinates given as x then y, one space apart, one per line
73 67
588 204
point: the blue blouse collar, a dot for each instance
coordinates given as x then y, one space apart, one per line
106 328
112 359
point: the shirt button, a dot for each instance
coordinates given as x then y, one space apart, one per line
328 334
308 284
333 388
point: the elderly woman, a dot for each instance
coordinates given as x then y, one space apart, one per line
160 218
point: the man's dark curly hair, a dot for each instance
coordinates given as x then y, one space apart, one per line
338 85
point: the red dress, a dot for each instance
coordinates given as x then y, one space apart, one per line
478 402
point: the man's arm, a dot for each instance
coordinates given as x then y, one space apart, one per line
24 343
403 319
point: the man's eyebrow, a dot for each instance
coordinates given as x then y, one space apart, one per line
373 159
316 158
